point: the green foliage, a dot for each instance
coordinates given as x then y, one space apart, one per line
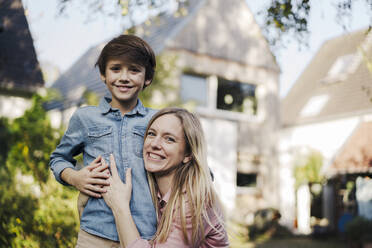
359 229
287 15
121 8
35 210
91 98
290 17
34 141
308 170
5 134
163 91
281 17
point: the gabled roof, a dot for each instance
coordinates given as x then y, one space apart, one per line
19 68
214 28
226 30
317 96
80 77
356 154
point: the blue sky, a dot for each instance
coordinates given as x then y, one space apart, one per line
62 40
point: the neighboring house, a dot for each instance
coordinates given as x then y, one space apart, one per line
327 105
20 74
223 65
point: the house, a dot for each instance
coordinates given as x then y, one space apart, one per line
20 74
329 105
223 65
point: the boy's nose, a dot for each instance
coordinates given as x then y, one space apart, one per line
124 75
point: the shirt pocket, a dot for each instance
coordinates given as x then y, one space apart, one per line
100 141
138 133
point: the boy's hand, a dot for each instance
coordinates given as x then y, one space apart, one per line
90 179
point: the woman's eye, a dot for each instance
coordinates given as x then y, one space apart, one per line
150 133
170 139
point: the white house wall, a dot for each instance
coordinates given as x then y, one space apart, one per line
221 138
325 137
13 107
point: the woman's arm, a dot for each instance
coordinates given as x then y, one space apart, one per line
216 235
117 197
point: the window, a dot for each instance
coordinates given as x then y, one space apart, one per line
194 88
342 66
314 106
246 179
212 94
236 96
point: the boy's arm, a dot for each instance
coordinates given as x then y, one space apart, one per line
62 162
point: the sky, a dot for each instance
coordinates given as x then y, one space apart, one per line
61 40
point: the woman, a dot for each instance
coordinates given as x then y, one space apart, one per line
189 213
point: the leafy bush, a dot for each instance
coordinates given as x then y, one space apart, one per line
359 229
35 210
266 222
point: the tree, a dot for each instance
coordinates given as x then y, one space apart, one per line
162 92
282 17
35 210
132 11
308 168
290 17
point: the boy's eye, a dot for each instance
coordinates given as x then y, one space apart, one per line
134 69
115 68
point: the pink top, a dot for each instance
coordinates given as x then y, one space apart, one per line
213 238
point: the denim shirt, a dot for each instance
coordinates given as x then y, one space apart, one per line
102 130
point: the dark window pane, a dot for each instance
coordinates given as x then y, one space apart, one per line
235 96
246 180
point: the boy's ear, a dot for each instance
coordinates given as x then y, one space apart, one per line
147 83
103 78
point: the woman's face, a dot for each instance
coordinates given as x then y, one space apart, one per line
164 146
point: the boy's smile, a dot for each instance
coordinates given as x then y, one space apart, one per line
124 81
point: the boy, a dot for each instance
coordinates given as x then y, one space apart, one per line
116 126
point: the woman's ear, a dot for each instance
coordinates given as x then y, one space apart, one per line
186 159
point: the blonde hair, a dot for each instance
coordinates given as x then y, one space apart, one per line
193 177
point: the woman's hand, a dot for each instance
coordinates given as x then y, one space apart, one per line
117 194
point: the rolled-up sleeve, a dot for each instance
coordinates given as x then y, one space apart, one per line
140 243
216 236
71 145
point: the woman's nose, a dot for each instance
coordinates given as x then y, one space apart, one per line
156 142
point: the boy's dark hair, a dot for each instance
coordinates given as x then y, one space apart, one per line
132 50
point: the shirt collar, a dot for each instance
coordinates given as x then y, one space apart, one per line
105 106
166 197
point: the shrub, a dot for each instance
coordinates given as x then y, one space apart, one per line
359 229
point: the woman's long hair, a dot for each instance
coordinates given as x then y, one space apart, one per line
192 178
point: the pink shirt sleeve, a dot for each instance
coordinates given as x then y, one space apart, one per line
214 237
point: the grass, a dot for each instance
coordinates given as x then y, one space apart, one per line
302 243
238 237
290 243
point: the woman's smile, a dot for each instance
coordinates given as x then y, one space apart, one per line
164 146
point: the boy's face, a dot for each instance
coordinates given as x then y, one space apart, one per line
124 81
